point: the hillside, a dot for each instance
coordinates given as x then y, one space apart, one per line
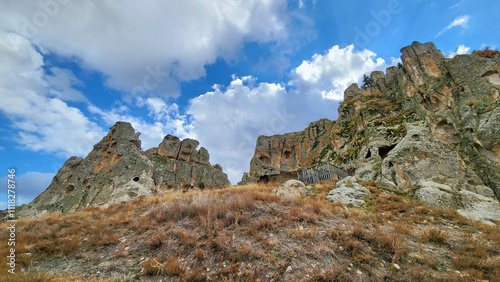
248 233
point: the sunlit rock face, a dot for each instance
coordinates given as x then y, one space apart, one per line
116 171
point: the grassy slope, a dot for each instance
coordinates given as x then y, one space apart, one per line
247 233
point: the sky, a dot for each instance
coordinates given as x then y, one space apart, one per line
221 72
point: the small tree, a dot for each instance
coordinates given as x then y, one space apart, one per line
366 81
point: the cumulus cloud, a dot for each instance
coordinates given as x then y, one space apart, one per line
331 73
166 119
28 186
146 47
44 123
462 49
61 82
460 21
228 120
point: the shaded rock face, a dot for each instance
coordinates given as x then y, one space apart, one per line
429 120
116 171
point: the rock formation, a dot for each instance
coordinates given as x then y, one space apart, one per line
349 192
291 188
116 171
430 125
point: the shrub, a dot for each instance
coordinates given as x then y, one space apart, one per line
435 235
189 240
486 53
173 266
153 267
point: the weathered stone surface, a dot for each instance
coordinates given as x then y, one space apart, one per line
169 147
116 171
291 188
277 158
479 207
188 146
349 192
419 156
436 195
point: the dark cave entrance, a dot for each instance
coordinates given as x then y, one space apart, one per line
384 151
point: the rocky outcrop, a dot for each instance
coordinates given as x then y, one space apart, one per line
429 125
277 158
116 171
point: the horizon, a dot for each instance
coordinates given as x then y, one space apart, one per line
239 70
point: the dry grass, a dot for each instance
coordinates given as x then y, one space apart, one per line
435 235
247 233
486 53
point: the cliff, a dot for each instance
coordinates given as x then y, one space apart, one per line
430 125
117 171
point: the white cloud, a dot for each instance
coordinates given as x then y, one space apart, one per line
460 21
43 123
61 83
146 46
331 73
28 186
2 148
228 120
152 46
167 119
462 49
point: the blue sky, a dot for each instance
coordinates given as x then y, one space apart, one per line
222 72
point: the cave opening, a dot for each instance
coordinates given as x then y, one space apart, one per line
263 179
368 154
69 189
384 150
288 154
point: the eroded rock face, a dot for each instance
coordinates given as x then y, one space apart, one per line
429 120
277 158
116 171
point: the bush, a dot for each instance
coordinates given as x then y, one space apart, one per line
486 53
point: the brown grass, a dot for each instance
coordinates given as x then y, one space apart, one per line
246 233
173 266
435 235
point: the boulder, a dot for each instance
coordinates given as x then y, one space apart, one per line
479 207
436 195
291 188
419 156
169 147
349 192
